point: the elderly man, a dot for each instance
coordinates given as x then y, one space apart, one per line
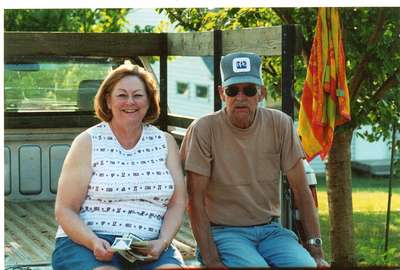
233 160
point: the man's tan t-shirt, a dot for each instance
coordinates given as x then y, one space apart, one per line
244 165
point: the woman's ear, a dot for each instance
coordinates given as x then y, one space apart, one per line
108 101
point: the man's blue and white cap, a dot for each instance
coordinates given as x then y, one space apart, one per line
241 67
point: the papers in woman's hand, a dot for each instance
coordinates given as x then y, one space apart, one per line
131 247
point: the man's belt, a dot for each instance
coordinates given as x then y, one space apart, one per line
272 220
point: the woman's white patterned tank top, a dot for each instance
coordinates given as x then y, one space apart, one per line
129 189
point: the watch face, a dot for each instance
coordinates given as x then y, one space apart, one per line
315 242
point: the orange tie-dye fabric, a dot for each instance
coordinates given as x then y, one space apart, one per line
325 102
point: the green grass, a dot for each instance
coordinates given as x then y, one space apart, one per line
370 196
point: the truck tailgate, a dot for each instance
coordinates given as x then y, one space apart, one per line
30 230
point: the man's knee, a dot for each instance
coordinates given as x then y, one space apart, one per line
307 261
237 260
236 247
299 259
236 256
301 262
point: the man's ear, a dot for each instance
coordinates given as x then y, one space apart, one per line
263 93
221 93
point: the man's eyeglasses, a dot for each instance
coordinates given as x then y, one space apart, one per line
250 91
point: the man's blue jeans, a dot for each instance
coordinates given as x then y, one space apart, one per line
268 245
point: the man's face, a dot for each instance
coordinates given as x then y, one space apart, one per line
241 102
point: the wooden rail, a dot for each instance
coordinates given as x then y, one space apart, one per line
16 120
263 40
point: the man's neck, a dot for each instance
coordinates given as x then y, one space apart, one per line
244 122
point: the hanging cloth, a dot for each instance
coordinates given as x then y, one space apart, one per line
325 102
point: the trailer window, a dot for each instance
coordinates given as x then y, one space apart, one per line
53 85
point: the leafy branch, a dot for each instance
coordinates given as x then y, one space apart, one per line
361 71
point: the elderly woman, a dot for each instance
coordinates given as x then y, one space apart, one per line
120 176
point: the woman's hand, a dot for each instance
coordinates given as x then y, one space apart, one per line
154 249
101 249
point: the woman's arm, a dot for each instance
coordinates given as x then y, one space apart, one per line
177 204
72 189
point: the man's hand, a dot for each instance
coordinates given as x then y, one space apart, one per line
321 263
318 255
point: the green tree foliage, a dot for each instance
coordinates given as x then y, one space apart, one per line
66 20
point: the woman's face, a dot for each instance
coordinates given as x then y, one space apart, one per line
128 100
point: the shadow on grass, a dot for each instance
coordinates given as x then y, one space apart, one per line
369 238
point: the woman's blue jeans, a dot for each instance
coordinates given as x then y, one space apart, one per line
268 245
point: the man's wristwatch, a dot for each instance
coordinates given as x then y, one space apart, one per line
316 242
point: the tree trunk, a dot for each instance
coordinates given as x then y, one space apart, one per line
340 200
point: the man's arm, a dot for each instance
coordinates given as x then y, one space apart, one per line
308 212
197 185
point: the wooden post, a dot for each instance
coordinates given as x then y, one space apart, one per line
288 50
163 119
217 71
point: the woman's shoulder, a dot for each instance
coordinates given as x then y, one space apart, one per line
152 130
81 145
155 134
82 139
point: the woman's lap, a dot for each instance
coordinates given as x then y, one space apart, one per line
170 256
69 255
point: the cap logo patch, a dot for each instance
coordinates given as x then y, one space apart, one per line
241 64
